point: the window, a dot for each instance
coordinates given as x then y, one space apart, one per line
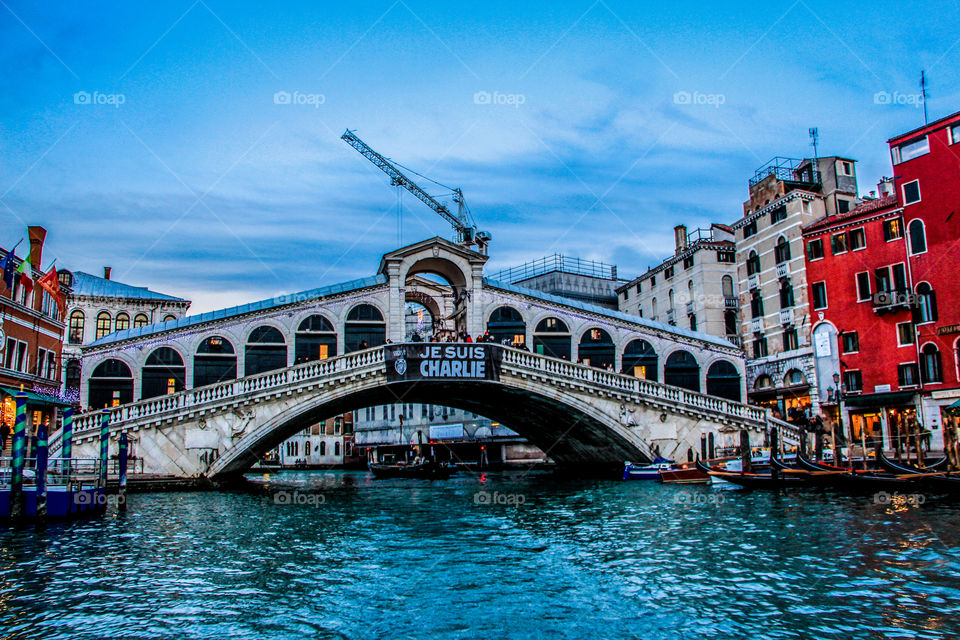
750 229
693 322
786 295
123 321
882 277
819 295
908 375
843 205
790 340
899 277
911 150
760 347
653 308
103 324
851 342
75 333
815 249
638 287
15 356
905 334
688 262
863 286
753 263
779 214
844 168
169 317
955 134
930 365
853 381
782 250
838 243
892 229
926 310
918 237
140 320
626 294
911 192
858 240
756 305
653 281
726 256
668 272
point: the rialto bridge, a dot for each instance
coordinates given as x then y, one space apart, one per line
206 395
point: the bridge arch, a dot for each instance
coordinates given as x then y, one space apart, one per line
365 323
552 337
724 380
315 338
640 360
110 382
597 348
507 323
265 350
163 373
214 360
681 369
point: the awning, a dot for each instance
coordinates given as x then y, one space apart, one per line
878 400
37 398
955 406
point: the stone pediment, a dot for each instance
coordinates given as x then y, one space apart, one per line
436 247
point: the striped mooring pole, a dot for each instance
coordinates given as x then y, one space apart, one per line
18 446
122 472
104 449
41 470
66 444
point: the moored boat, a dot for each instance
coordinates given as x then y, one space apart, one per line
646 471
686 473
423 469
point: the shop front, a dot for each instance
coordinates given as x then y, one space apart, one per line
41 409
885 419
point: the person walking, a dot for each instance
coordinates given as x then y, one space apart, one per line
4 434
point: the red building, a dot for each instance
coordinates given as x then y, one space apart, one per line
926 164
31 341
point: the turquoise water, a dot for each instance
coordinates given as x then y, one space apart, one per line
341 555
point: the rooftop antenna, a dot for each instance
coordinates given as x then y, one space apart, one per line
814 138
923 94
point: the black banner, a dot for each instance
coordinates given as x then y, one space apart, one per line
442 361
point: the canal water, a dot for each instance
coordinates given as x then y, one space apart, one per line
342 555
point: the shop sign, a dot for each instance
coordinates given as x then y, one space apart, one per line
947 330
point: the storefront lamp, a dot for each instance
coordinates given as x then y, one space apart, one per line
836 378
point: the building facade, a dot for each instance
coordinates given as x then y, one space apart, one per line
329 443
97 307
785 196
31 343
926 169
695 288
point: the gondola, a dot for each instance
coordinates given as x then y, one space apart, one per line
423 470
810 465
897 467
751 480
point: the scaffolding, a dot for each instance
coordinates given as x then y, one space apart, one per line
560 263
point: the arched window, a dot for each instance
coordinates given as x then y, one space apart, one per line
931 369
506 325
110 385
266 351
794 378
726 284
682 370
140 320
72 376
918 237
670 298
306 448
122 322
364 328
103 324
323 447
77 320
763 382
753 263
597 349
653 308
926 309
552 338
315 340
163 373
782 250
640 360
336 448
215 361
169 317
723 380
689 290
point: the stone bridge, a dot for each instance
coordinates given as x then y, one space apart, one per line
206 394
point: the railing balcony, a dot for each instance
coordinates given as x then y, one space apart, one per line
753 281
895 300
730 302
783 270
735 339
786 316
670 319
756 325
690 308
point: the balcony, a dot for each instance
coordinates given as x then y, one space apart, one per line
753 282
786 316
670 319
783 270
730 302
896 300
756 325
690 308
735 340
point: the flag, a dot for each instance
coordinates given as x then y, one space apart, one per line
50 283
8 270
26 274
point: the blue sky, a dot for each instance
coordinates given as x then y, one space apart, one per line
199 184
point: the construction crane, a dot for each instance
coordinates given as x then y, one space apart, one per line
467 233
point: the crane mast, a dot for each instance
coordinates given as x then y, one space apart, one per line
467 234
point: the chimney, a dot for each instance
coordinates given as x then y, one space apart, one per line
37 235
106 272
680 235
